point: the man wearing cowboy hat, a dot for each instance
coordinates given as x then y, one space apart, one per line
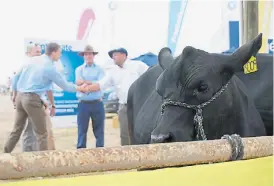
122 76
90 104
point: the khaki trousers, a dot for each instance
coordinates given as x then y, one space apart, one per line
29 141
28 105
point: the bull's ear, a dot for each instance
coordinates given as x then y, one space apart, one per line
165 57
244 53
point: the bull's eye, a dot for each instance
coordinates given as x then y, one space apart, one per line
202 88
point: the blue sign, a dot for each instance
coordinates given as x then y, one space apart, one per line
176 16
234 35
270 46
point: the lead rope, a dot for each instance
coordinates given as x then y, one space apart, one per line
198 120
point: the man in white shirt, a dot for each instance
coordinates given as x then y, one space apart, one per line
121 76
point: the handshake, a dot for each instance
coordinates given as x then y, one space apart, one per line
83 88
86 87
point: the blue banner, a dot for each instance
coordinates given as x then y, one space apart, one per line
177 10
66 102
270 46
234 35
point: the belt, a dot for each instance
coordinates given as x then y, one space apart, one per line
90 101
32 94
29 93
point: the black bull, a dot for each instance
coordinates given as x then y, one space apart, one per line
144 103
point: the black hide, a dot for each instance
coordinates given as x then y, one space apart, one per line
144 103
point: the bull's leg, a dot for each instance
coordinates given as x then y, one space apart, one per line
130 122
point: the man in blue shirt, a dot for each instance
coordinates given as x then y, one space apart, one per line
28 136
30 83
90 104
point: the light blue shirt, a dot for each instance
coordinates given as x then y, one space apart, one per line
92 73
37 76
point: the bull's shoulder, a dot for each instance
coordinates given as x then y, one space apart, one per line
266 58
144 85
265 64
146 81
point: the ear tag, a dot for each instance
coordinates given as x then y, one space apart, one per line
251 65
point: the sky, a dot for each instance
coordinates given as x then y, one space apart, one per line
135 26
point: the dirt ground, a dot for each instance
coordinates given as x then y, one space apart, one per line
65 138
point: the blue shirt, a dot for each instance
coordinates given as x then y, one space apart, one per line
37 76
92 73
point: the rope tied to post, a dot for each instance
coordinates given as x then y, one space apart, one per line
237 146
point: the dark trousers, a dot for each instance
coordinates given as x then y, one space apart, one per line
94 110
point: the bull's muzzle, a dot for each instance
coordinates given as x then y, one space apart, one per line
161 138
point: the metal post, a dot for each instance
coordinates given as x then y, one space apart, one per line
113 7
250 16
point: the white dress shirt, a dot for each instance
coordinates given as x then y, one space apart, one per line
122 78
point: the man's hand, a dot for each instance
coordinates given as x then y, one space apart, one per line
45 105
80 82
82 88
52 111
88 82
93 87
13 99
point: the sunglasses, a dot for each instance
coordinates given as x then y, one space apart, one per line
34 44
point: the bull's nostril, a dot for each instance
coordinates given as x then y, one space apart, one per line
168 139
161 138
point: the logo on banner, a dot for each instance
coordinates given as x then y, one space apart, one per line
66 48
270 46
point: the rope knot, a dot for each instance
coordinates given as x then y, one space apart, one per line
198 118
237 146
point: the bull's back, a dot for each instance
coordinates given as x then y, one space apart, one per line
260 87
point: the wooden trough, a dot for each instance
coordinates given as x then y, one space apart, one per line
54 163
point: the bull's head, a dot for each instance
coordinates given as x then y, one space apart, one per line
194 77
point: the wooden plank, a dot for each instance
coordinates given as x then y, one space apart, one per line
51 163
238 173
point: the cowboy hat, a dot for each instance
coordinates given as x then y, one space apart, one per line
88 49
